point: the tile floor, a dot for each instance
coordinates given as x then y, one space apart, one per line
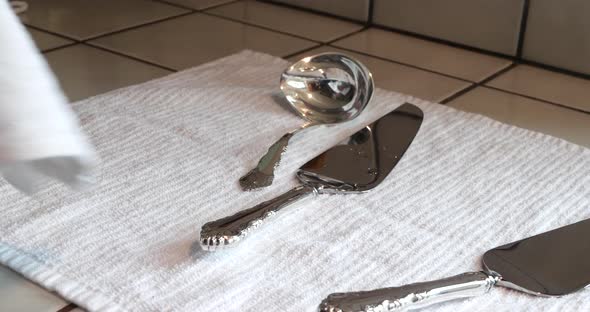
97 46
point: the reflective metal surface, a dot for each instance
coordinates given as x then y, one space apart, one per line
325 88
263 174
231 230
328 87
553 263
364 160
368 156
410 297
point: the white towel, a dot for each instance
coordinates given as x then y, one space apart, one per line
39 135
174 148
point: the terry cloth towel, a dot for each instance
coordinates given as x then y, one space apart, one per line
174 148
39 135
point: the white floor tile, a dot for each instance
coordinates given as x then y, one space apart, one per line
526 113
189 40
400 78
546 85
557 34
85 19
353 9
199 4
19 295
424 54
85 71
296 22
45 41
448 19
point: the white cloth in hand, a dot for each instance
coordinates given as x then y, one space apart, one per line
39 135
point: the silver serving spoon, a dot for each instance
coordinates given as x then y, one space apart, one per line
325 88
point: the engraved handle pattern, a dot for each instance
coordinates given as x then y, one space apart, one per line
229 231
411 296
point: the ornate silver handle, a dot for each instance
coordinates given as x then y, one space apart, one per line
411 296
229 231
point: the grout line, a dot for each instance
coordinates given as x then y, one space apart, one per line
137 26
324 44
258 26
59 47
194 9
538 99
400 31
279 31
68 308
458 94
497 74
502 71
371 13
129 56
180 6
404 64
522 31
51 32
303 51
347 35
477 84
428 38
446 42
218 5
556 69
291 6
513 58
109 33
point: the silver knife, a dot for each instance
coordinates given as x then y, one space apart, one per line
550 264
359 165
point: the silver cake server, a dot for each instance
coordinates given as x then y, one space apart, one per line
356 166
553 263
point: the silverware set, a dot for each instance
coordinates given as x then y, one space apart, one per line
332 88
